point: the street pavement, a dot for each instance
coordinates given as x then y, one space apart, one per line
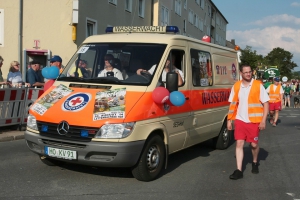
10 133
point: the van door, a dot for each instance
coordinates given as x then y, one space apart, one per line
179 124
204 113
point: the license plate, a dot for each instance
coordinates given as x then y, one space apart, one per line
60 153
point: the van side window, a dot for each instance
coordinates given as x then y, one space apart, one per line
177 59
201 68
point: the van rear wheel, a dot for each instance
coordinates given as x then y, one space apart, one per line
223 139
151 161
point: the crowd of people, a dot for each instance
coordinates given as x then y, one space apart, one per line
34 77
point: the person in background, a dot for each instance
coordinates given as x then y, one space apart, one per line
249 109
268 83
276 100
32 76
14 76
2 82
56 61
167 69
287 95
82 71
109 68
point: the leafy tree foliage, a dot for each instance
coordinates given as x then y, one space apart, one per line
283 60
250 57
277 57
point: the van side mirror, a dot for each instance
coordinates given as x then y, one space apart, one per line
172 81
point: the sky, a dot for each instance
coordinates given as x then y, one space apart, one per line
263 25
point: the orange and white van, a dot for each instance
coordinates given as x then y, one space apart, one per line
140 120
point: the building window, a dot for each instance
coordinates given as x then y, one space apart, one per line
208 30
91 27
113 2
191 16
178 7
202 4
164 17
205 18
184 4
198 2
201 24
141 8
209 10
1 27
184 26
128 5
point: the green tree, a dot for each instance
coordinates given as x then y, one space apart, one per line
250 57
283 60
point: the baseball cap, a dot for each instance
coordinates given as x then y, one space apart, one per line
56 58
276 79
35 62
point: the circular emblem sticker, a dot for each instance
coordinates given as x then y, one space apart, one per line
76 102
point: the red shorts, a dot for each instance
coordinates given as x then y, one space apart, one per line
246 131
275 106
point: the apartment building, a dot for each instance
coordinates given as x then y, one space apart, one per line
39 29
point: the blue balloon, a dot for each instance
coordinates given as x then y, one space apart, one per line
177 98
50 72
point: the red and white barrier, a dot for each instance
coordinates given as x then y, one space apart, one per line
14 104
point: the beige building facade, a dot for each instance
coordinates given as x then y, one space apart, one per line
38 29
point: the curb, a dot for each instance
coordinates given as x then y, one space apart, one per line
11 138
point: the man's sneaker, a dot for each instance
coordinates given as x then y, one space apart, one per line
274 124
271 121
237 174
255 168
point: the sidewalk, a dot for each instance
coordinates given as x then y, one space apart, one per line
10 133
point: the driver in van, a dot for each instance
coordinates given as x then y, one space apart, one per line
109 68
166 70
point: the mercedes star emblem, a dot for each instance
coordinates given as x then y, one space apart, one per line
63 128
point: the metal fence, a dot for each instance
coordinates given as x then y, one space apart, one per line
15 104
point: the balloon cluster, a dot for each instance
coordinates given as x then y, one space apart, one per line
50 72
161 95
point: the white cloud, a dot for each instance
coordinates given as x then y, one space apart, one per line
266 39
282 20
295 4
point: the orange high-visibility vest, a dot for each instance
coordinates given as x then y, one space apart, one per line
255 108
274 95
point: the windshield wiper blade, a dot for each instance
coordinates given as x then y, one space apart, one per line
65 78
103 80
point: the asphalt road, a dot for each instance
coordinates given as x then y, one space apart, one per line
199 172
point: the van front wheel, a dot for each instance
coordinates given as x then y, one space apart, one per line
222 141
151 160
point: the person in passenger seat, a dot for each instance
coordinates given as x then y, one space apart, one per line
109 68
167 69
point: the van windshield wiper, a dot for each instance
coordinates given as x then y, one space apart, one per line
65 78
103 80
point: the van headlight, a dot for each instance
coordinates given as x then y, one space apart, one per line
31 122
115 131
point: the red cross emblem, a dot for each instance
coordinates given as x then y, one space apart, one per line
76 101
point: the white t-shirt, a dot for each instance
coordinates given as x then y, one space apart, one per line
274 87
242 110
117 73
164 74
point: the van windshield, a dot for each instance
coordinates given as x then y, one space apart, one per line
113 63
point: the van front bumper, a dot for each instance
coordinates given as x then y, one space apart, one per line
101 154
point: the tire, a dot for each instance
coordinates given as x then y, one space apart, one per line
222 141
49 161
151 161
